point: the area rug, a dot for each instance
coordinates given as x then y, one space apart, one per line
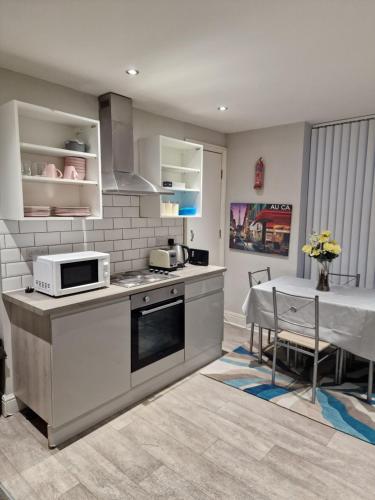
343 407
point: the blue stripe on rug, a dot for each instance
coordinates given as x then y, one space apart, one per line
336 413
240 382
242 350
234 362
267 391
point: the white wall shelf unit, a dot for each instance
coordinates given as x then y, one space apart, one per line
168 159
37 134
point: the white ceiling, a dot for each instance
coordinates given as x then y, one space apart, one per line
270 61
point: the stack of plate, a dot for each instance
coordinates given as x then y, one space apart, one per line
37 211
79 164
71 211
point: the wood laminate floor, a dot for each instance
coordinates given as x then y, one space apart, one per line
198 439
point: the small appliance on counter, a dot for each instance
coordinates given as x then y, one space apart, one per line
68 273
182 252
198 257
164 259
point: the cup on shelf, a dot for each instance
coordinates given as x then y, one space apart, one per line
37 167
52 171
70 172
26 167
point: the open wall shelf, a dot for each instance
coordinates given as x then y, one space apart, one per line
165 159
37 134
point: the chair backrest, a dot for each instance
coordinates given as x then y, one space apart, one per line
344 279
258 277
296 313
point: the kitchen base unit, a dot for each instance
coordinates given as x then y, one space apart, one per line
72 358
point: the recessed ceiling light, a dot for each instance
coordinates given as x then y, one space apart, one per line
132 71
222 108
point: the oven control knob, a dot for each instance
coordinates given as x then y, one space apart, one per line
174 291
146 299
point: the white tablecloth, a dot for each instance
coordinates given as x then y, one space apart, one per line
347 314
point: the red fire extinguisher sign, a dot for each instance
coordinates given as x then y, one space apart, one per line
259 174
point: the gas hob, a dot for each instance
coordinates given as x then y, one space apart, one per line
137 278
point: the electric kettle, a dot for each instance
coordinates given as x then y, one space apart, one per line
182 252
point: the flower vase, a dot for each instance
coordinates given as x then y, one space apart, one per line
323 284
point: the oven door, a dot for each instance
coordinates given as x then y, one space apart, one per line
156 332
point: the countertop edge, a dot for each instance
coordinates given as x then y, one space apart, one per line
86 299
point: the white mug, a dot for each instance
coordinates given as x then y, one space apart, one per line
51 170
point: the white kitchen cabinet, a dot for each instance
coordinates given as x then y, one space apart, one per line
167 159
90 360
37 134
204 316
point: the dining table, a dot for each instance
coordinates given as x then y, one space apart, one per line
346 313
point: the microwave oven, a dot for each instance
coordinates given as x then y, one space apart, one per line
64 274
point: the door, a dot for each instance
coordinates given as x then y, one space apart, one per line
205 233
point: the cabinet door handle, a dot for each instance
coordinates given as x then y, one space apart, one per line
192 234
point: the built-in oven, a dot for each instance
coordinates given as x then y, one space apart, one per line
157 329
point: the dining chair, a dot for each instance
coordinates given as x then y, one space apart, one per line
257 278
351 279
299 336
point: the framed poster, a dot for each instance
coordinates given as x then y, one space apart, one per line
260 227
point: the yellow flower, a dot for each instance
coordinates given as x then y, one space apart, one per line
326 234
307 249
315 252
328 247
336 249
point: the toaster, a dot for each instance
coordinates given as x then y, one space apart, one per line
165 260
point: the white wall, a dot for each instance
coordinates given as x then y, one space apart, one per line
284 150
122 233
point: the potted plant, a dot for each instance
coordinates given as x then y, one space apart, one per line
324 249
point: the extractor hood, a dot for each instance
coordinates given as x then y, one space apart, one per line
116 125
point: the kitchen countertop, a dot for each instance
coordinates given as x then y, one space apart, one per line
41 304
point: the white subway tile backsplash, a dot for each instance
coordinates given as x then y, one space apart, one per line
72 237
146 232
33 226
144 253
122 222
11 283
139 222
10 255
122 267
109 212
83 247
113 234
90 236
47 239
55 249
134 201
131 254
104 246
175 231
82 225
19 268
3 272
151 242
130 233
27 280
2 241
153 222
107 200
30 253
116 257
168 222
104 223
9 227
139 243
59 225
130 212
121 201
122 244
138 264
161 231
19 240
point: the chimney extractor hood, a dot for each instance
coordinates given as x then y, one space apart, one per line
116 131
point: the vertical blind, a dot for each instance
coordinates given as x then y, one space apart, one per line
341 195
